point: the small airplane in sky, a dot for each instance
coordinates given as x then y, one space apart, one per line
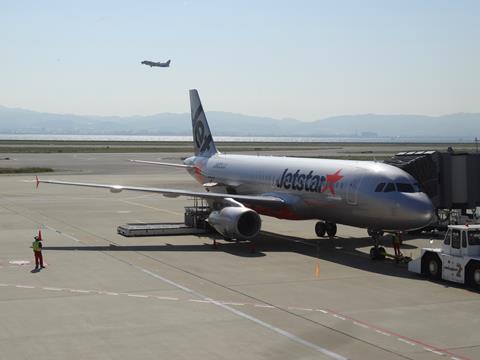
364 194
157 64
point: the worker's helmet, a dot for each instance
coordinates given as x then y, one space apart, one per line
35 237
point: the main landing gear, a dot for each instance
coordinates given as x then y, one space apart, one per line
329 228
377 252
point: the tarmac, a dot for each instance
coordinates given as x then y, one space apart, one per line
104 296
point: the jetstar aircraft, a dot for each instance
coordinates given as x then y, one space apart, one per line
364 194
157 64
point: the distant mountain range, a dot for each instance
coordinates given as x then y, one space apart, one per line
19 121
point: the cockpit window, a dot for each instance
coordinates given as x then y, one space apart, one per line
405 188
379 187
389 188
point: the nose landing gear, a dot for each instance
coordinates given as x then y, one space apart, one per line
329 228
377 252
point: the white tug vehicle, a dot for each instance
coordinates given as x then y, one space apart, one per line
458 259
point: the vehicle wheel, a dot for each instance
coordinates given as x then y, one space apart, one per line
320 229
382 253
432 267
331 229
474 276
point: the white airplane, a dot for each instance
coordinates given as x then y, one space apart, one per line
364 194
157 64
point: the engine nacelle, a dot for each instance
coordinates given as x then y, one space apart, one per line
238 223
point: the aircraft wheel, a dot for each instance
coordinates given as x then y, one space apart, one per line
382 253
320 229
474 276
377 253
432 267
331 229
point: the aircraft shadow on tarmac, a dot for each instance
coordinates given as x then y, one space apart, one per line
343 251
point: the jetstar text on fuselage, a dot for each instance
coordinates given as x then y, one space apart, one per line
308 182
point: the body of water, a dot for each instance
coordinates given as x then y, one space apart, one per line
233 138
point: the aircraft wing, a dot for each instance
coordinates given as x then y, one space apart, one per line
260 199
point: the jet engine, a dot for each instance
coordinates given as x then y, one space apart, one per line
240 223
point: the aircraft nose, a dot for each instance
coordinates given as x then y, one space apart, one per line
420 211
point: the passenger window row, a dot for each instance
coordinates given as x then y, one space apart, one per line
400 187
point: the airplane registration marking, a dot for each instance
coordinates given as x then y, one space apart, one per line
410 342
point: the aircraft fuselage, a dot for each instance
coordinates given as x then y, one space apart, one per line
338 191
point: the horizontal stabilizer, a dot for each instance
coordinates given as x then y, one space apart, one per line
163 164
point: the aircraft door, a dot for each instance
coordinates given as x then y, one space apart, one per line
352 188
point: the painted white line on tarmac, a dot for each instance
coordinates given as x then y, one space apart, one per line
232 303
262 306
279 331
361 325
138 296
62 233
174 284
224 304
406 341
433 351
199 301
166 298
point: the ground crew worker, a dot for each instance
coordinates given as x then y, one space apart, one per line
37 251
397 241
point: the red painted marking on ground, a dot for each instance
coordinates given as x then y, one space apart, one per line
425 345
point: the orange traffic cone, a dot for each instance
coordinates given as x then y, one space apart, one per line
317 270
40 234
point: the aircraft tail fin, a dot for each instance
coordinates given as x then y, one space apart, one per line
203 143
168 63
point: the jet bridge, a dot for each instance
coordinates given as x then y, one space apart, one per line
451 179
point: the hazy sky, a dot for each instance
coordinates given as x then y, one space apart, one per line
299 59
